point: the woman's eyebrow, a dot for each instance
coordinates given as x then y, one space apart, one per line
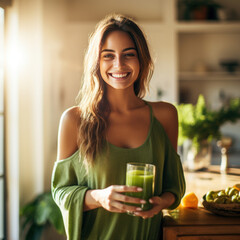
130 48
124 50
107 50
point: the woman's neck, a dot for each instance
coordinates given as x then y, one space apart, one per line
123 100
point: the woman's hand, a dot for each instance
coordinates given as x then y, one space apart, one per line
113 199
158 203
156 208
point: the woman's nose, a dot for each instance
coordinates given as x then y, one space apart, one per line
118 62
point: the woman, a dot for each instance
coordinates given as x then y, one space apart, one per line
111 126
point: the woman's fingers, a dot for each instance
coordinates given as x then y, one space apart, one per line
112 208
147 214
128 199
113 199
125 208
156 208
123 188
118 200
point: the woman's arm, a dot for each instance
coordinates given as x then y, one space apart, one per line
67 133
67 191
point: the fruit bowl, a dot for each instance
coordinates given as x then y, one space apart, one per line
223 209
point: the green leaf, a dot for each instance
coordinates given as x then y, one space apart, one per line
43 211
197 122
200 110
34 232
38 214
28 210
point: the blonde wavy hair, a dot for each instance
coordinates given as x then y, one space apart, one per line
93 103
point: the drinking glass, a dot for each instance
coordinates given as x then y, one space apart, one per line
141 175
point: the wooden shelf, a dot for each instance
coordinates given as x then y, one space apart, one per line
209 76
207 26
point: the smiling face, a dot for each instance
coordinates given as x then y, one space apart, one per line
119 64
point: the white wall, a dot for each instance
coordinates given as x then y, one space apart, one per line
94 10
162 45
54 21
24 110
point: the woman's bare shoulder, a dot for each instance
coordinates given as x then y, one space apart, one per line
163 110
71 115
166 114
68 132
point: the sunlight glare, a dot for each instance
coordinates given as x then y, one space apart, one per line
14 53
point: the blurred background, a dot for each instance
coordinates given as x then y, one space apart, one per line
42 44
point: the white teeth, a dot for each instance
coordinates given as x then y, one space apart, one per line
119 75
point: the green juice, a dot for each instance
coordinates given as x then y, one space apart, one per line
142 179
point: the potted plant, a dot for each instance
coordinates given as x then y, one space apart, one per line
199 9
198 126
39 214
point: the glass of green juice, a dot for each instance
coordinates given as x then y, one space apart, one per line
141 175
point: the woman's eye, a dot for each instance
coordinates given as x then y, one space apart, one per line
130 55
108 56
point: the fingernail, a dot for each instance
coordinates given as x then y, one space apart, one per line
139 189
143 201
150 200
139 209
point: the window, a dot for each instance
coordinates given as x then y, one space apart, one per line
2 172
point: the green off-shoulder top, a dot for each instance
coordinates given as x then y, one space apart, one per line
70 181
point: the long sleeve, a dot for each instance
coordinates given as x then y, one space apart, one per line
173 176
68 192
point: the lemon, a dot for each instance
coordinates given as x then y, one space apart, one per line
190 200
